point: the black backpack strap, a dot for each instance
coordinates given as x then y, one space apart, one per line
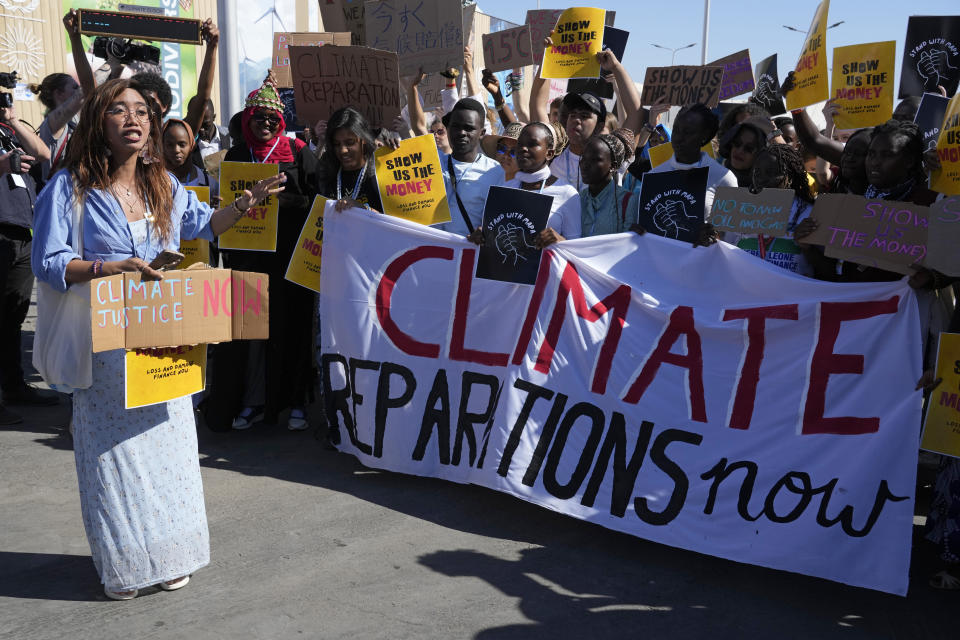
453 181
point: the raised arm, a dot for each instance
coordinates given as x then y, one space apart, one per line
540 93
492 85
211 34
29 140
473 89
519 109
71 22
627 93
810 137
418 119
58 117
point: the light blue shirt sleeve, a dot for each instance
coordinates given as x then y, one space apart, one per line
194 215
52 232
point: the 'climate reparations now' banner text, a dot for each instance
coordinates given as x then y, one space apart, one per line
699 398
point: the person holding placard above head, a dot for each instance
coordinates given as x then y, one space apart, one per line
140 490
255 381
695 126
604 206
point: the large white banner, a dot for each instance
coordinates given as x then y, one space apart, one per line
696 397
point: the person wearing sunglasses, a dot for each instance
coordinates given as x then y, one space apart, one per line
503 148
256 381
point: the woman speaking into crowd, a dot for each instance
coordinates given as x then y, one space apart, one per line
138 469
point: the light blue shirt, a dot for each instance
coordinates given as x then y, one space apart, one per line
106 232
474 180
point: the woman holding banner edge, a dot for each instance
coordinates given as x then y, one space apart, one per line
138 469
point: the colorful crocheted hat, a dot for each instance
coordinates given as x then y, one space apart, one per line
265 97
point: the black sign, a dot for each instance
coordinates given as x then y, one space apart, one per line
597 86
767 88
616 41
139 26
931 55
672 203
290 117
933 108
512 218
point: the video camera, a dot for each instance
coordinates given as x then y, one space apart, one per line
125 50
8 80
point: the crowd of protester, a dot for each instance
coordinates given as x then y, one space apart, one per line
106 147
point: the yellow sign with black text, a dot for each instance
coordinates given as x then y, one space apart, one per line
304 267
863 84
159 375
577 39
257 230
198 249
941 428
410 180
810 80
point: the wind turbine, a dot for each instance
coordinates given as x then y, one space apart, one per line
276 16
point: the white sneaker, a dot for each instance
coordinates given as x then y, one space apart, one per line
297 421
247 418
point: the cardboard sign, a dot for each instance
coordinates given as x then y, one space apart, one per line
152 376
139 26
737 74
410 180
425 34
304 266
941 427
329 78
257 230
683 85
192 306
863 84
943 237
931 56
929 118
671 203
946 179
196 250
345 16
767 89
877 233
542 22
765 213
663 152
577 39
281 50
811 83
507 49
512 218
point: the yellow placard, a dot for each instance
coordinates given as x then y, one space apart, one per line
257 230
941 428
577 38
811 83
863 84
662 152
410 180
159 375
304 267
946 179
198 249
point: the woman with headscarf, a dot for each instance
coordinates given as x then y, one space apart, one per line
604 206
257 380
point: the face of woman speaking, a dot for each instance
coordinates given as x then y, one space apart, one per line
264 124
126 123
348 148
887 164
533 149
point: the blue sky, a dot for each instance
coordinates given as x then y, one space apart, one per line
741 24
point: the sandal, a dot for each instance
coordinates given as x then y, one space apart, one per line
120 595
173 585
945 582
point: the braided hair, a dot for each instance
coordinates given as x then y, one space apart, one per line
913 148
790 163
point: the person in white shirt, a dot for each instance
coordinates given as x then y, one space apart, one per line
467 173
535 148
695 126
586 116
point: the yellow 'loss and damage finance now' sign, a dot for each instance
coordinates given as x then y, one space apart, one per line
810 80
863 84
198 249
577 39
257 230
304 267
941 428
163 374
411 181
946 179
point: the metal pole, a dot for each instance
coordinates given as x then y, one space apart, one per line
706 25
230 91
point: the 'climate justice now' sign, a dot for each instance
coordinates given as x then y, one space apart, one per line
747 413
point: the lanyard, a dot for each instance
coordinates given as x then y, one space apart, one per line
453 182
63 145
356 187
275 143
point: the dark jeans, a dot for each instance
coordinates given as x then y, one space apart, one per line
16 283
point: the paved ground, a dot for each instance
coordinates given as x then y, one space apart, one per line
306 543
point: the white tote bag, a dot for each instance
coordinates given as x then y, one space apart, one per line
62 344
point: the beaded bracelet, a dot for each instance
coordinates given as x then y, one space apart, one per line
97 267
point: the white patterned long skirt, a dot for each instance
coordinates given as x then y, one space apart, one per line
140 488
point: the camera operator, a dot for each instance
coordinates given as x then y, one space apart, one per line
21 146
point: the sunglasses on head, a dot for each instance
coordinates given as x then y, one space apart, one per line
267 119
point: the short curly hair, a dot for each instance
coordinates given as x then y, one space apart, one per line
146 81
710 119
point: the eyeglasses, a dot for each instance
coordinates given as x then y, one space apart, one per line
141 114
439 132
270 121
504 150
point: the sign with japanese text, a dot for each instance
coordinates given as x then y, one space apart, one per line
427 35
